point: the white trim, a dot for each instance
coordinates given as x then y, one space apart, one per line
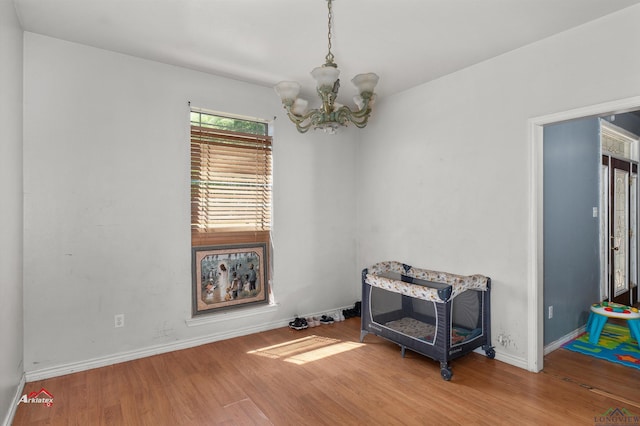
535 280
564 339
511 360
506 358
74 367
228 115
605 252
14 404
535 266
230 315
624 133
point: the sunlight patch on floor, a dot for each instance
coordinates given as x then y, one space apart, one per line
306 349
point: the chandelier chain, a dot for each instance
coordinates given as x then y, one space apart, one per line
330 115
329 56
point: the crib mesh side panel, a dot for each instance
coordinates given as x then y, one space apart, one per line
466 310
385 305
424 310
411 317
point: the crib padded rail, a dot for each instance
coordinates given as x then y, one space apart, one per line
422 284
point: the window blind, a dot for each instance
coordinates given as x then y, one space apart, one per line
230 186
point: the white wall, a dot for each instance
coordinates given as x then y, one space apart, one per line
441 182
106 152
11 329
443 168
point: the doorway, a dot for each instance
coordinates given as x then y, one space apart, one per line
536 314
619 215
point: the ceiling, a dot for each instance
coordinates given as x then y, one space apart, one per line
406 42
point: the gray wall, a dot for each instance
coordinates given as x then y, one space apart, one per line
628 121
571 250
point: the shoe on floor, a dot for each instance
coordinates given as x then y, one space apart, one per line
326 320
298 324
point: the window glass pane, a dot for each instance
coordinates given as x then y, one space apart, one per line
228 123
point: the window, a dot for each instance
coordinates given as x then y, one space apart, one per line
231 180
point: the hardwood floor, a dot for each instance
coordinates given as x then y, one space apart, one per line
324 376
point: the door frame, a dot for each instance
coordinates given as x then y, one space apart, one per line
535 263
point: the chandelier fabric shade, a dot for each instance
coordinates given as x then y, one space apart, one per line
331 115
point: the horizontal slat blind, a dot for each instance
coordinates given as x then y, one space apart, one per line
230 186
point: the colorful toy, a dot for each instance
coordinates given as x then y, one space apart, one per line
600 312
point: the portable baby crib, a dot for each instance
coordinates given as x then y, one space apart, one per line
437 314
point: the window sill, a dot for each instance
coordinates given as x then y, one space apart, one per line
230 315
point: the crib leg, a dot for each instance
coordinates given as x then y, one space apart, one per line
445 371
362 334
490 351
402 351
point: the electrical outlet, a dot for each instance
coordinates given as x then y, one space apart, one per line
119 320
550 311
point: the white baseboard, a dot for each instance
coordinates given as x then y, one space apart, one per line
564 339
74 367
506 358
516 361
14 404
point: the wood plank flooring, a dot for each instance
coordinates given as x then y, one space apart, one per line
324 376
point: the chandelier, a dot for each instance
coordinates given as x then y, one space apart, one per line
331 114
